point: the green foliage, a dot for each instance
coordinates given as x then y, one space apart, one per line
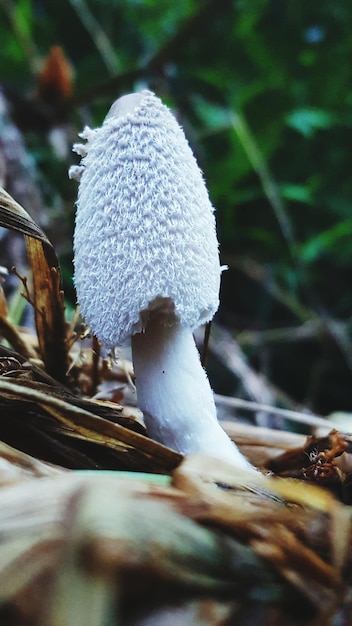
263 90
334 240
308 121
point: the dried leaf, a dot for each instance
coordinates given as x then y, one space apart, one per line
84 534
73 421
54 82
48 296
16 466
14 216
264 512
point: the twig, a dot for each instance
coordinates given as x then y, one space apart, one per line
95 379
295 416
253 152
167 53
80 423
25 41
306 331
339 333
97 34
197 23
259 273
225 347
11 334
203 357
26 293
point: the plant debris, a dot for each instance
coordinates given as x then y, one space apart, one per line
99 524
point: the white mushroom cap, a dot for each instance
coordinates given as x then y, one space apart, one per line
145 234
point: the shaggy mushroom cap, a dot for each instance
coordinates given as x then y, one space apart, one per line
145 236
147 265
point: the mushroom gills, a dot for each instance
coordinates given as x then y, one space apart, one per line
174 393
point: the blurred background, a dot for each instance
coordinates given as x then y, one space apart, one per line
263 89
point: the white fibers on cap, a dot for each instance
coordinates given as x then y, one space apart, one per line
145 230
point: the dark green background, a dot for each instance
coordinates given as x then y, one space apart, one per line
263 90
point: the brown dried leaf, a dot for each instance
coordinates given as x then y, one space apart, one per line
75 418
49 309
285 521
48 296
14 216
260 445
319 460
16 466
79 535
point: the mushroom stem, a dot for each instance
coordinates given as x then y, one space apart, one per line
174 393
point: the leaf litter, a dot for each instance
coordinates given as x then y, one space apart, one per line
101 525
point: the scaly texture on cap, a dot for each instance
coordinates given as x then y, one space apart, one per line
145 234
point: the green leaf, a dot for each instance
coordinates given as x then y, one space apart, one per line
297 193
307 121
214 116
326 241
22 15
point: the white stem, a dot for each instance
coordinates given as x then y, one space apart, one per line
174 393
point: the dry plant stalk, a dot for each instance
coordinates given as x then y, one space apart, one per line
54 413
47 292
102 548
100 545
9 332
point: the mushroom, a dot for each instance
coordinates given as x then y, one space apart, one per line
147 265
